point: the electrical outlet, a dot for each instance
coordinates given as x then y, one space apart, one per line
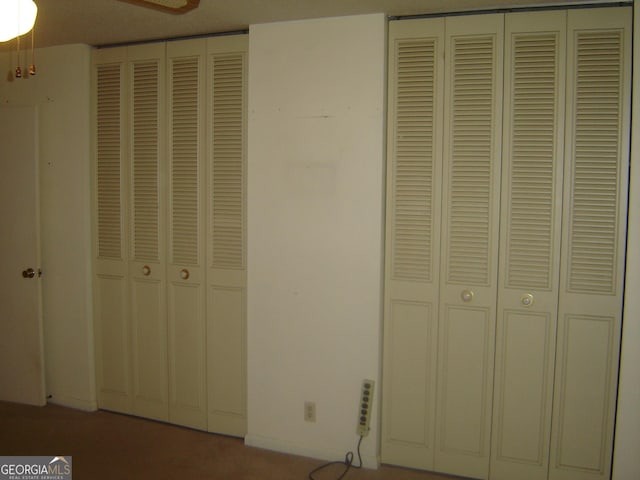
309 411
364 408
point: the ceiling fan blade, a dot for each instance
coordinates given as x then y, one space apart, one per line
169 6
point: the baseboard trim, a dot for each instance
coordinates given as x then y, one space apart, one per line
72 402
266 443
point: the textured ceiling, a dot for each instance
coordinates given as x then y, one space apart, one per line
103 22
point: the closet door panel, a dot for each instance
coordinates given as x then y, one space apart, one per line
530 244
149 349
416 74
409 328
187 394
596 181
226 360
111 306
464 414
585 403
112 342
146 244
226 238
471 182
185 271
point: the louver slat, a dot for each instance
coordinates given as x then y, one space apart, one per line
414 161
530 234
227 220
184 160
108 161
145 161
471 159
596 163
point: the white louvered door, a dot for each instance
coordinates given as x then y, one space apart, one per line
413 242
531 213
186 269
170 231
593 248
528 301
226 234
147 266
110 231
469 258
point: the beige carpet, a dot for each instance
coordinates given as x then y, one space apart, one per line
109 446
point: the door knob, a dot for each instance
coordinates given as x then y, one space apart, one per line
527 299
466 295
28 273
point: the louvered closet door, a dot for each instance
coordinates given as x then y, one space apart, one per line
596 181
470 210
186 272
146 244
226 235
531 212
413 241
111 307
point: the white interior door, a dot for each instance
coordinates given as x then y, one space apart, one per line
470 232
21 351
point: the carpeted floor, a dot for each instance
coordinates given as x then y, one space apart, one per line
109 446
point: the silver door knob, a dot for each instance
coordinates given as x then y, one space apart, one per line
28 273
466 295
527 299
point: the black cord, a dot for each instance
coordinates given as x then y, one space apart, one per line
347 462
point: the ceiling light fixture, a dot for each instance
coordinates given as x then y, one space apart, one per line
17 17
170 6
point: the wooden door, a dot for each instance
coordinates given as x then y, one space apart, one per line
186 264
470 221
111 283
416 87
22 376
226 235
593 245
147 251
531 212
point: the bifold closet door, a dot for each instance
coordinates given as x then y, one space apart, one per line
226 234
186 264
110 231
416 87
129 308
147 266
469 258
531 211
593 242
528 303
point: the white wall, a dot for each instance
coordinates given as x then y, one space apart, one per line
626 463
61 88
315 223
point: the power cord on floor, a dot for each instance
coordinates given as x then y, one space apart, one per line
347 462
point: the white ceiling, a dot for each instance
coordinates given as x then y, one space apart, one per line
103 22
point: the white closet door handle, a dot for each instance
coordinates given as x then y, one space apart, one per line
146 270
466 295
527 299
184 274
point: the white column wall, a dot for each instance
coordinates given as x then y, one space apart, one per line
315 230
